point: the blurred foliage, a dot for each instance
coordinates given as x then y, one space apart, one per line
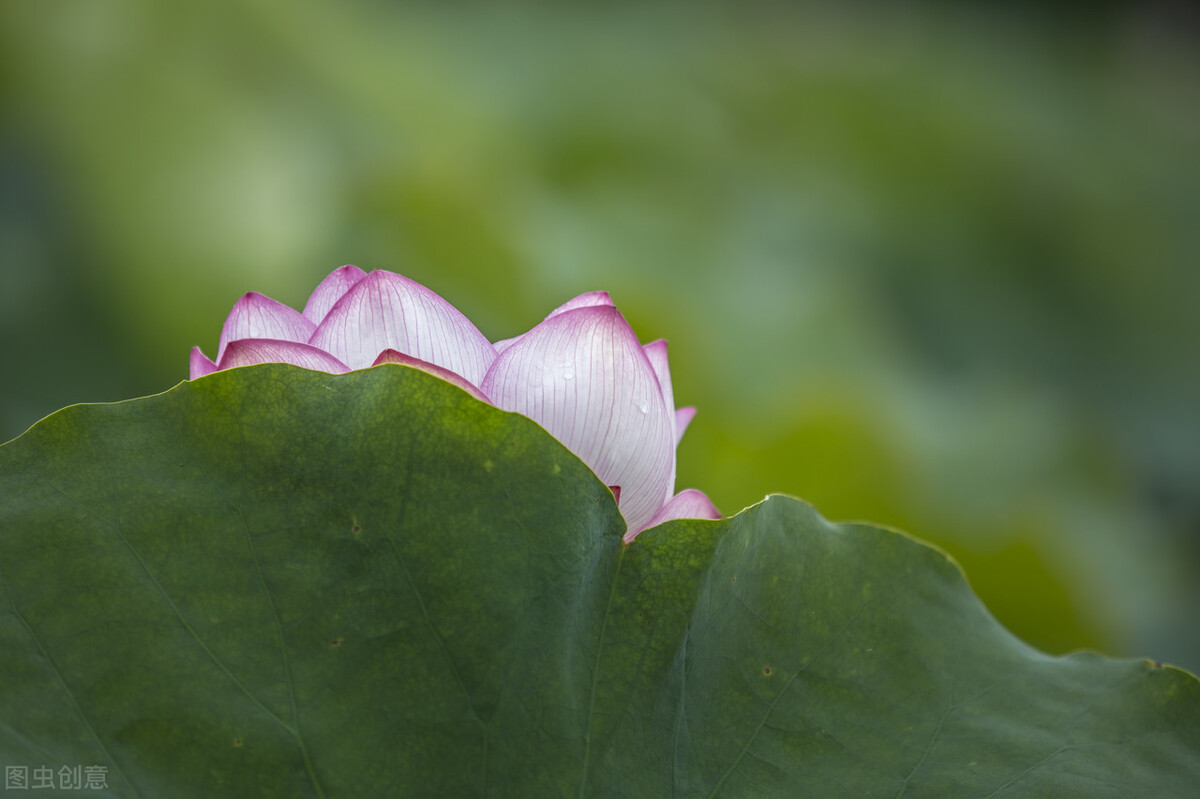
932 266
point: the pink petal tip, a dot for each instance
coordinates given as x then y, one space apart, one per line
256 316
200 365
330 290
687 504
391 356
248 352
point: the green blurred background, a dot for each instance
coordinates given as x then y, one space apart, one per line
929 265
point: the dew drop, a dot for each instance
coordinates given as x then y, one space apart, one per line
643 406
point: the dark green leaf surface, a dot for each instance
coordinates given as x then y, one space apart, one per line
274 582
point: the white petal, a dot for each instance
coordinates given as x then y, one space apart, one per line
591 299
504 344
258 316
330 290
387 311
247 352
656 353
582 375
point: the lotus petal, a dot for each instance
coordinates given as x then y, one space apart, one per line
260 317
687 504
656 353
391 356
330 290
591 299
388 311
582 374
504 344
249 351
200 364
683 417
588 300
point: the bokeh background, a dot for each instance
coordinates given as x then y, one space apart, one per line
931 265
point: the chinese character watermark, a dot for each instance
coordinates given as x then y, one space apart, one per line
67 778
43 777
16 777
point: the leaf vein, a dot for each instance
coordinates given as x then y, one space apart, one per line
771 707
442 645
16 611
587 730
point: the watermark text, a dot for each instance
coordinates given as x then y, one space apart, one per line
67 778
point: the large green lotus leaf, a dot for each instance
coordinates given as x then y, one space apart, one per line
278 583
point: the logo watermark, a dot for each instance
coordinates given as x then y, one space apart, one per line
67 778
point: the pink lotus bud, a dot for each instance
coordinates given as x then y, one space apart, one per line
581 374
351 321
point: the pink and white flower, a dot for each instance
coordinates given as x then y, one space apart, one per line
581 373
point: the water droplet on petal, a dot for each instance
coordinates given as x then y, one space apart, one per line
643 406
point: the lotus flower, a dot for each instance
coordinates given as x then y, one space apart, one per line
581 373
